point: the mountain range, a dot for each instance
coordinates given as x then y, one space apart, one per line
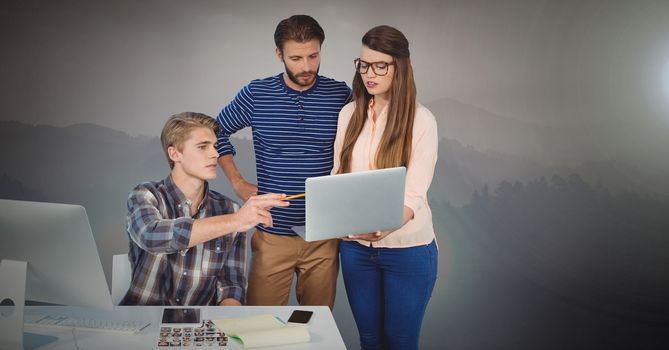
633 142
96 166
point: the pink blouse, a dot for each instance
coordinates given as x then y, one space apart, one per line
424 145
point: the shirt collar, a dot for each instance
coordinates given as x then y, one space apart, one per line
381 116
179 198
289 90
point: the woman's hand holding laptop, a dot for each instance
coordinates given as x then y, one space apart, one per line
379 235
372 236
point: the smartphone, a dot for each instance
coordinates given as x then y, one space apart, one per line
183 315
300 316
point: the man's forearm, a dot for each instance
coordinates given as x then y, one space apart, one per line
206 229
242 188
227 163
255 211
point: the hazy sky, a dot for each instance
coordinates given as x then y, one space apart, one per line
130 64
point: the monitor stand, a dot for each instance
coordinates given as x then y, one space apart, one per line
12 303
13 299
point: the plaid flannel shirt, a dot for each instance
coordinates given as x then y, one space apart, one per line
164 270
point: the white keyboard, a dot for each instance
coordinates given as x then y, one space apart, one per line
88 324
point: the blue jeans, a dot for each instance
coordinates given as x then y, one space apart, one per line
388 290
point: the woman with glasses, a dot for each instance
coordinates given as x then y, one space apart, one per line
389 276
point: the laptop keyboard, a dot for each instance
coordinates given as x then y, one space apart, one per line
89 324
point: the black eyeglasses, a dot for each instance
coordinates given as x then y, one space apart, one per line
379 68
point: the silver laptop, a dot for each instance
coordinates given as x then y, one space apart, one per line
354 203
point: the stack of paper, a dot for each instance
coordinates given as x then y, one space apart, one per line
262 330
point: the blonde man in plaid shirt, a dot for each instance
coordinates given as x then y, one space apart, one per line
187 242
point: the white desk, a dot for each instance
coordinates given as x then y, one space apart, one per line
322 327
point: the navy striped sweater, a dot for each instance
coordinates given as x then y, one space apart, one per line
293 137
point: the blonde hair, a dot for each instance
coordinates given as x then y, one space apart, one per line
178 127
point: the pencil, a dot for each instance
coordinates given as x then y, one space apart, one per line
293 196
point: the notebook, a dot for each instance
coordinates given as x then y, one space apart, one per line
263 330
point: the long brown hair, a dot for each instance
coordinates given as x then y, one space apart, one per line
395 146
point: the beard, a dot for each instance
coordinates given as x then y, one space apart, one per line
308 78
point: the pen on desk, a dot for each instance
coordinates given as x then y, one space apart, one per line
293 196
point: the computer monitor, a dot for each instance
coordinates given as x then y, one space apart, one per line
63 265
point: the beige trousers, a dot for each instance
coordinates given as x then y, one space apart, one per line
276 258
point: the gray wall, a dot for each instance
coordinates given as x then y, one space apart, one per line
551 191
